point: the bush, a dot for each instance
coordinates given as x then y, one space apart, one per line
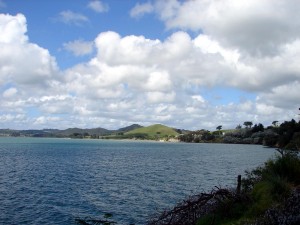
252 177
262 198
272 183
287 167
264 190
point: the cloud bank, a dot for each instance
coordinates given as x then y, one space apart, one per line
253 48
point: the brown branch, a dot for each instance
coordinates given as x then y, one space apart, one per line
190 210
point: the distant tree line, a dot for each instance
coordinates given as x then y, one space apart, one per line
197 136
285 135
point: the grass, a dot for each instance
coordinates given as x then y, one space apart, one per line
153 131
263 188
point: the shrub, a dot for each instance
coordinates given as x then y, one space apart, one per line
262 198
263 189
287 167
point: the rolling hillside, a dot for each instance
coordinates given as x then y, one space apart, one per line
129 128
70 132
153 131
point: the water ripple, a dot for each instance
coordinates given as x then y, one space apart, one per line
54 181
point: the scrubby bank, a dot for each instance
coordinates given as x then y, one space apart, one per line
284 136
269 195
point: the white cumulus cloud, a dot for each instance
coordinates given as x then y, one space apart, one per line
133 79
256 27
98 6
10 92
141 9
72 18
79 47
16 68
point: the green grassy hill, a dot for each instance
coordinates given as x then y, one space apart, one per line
153 131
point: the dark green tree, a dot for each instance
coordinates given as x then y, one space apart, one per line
257 128
238 127
248 124
219 128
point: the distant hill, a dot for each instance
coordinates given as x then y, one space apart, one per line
96 131
153 131
129 128
134 131
92 131
70 132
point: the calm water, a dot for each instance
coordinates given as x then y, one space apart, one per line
54 181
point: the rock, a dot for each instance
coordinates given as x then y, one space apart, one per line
286 214
247 141
232 140
257 140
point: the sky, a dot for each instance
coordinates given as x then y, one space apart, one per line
188 64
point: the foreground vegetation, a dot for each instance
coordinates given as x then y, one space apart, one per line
268 195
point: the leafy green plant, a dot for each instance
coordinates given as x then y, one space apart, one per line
286 167
262 189
252 177
261 197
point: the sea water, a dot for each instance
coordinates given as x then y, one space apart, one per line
55 181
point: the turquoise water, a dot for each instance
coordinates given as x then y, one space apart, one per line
54 181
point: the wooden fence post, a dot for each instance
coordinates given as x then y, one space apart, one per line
239 184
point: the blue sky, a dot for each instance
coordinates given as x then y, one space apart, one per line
47 29
187 64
